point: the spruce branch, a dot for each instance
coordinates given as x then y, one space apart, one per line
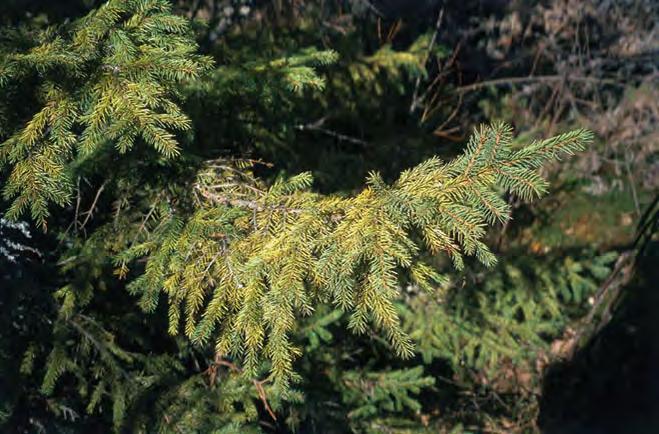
253 259
110 78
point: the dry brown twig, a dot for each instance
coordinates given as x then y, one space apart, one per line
258 384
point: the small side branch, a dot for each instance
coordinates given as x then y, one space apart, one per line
258 384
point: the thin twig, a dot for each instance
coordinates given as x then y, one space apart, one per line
90 212
264 399
537 78
146 219
75 220
438 25
630 178
258 384
393 31
453 114
100 346
317 126
242 203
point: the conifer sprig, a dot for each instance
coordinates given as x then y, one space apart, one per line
253 258
111 78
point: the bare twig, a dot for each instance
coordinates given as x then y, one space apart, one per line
258 384
75 219
632 186
539 79
264 399
415 99
453 114
101 347
242 203
393 31
146 219
90 212
317 126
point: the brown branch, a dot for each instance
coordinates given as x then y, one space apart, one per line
453 114
438 25
393 31
90 212
603 301
249 204
258 384
632 186
75 219
539 79
264 399
147 217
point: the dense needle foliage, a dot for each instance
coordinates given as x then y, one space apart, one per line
189 246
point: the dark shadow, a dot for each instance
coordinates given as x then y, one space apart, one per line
612 384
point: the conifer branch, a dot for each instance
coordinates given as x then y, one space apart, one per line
284 248
111 78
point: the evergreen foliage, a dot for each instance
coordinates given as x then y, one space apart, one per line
108 80
214 265
508 316
375 394
253 258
